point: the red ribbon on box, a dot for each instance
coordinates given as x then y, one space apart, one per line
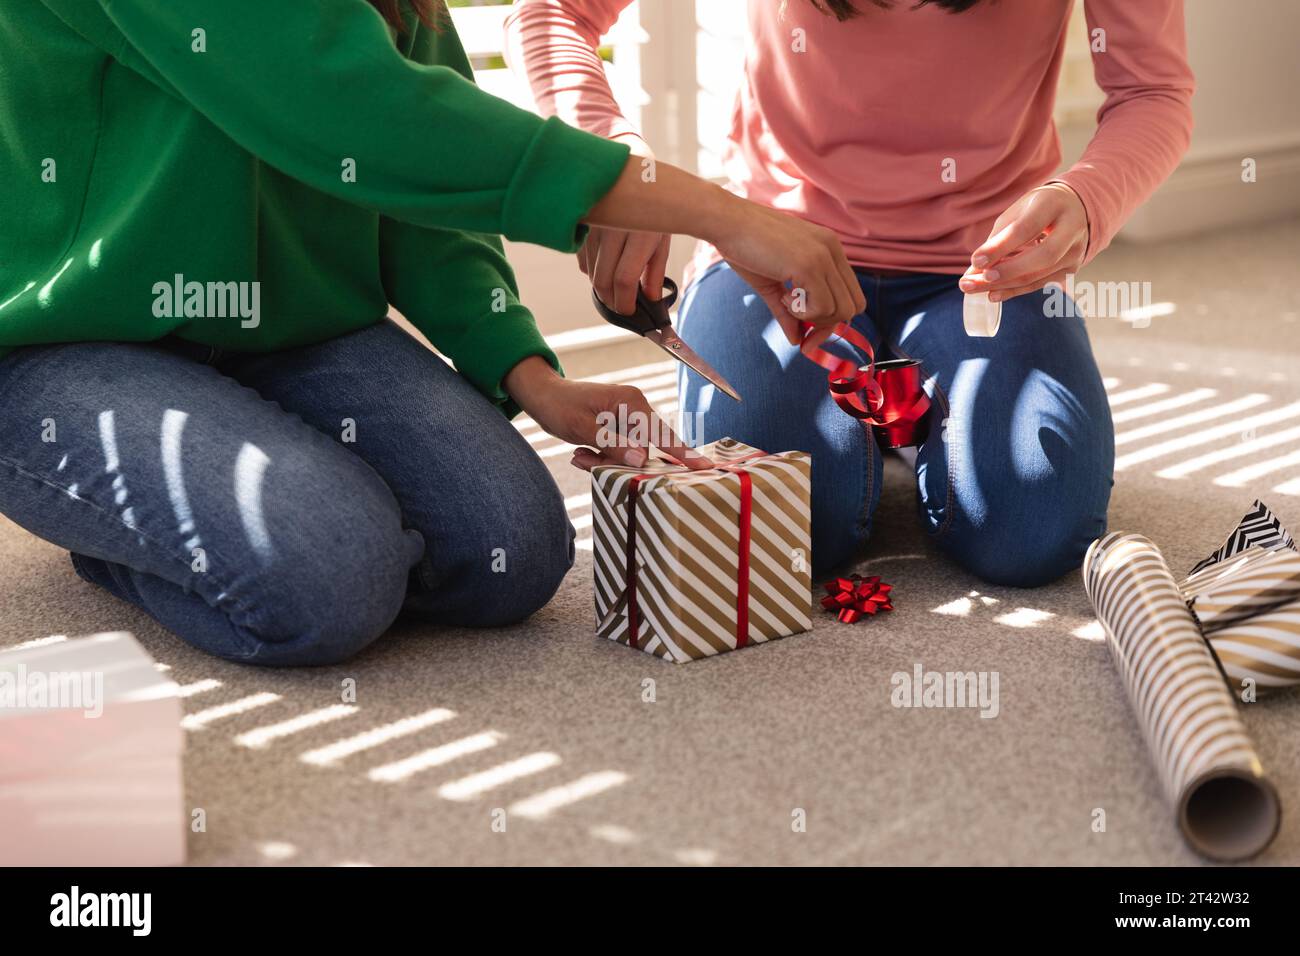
888 396
742 570
854 596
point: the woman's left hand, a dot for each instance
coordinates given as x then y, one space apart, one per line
1041 238
615 423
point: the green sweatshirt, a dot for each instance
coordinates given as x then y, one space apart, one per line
159 157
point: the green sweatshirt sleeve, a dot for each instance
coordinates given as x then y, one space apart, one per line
309 89
468 306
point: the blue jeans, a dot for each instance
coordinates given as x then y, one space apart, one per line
1015 476
281 508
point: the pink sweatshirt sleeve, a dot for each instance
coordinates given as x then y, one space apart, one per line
554 42
1145 124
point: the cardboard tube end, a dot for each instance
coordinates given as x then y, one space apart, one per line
1230 814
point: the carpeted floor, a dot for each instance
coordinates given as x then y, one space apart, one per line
549 722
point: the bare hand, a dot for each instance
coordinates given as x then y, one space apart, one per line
617 260
615 420
1041 238
769 249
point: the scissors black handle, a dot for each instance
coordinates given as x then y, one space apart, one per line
648 316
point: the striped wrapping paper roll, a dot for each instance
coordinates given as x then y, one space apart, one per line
1226 807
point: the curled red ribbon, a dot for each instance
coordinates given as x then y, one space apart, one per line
888 396
855 596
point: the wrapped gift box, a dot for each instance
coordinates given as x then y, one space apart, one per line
1246 600
719 559
90 756
1243 586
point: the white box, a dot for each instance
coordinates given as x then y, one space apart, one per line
90 756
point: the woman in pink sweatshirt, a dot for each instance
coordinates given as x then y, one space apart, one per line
922 135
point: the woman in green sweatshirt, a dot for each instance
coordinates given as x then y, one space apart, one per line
206 210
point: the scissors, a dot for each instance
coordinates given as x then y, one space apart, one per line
650 321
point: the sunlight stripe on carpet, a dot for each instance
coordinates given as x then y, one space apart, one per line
201 719
262 736
333 753
542 805
435 757
467 788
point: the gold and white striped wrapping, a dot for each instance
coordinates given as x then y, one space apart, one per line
1264 650
687 552
1247 584
1248 606
1226 807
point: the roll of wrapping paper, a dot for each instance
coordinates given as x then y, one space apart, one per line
1225 806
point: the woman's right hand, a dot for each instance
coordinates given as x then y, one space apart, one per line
617 261
769 249
799 269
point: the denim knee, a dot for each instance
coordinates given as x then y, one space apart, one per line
324 612
1028 546
504 561
341 608
520 590
336 585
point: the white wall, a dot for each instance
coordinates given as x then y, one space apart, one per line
1247 105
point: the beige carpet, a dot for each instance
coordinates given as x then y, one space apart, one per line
715 770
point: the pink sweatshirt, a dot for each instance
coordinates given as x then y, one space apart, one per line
853 125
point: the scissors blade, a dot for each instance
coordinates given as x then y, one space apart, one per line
672 343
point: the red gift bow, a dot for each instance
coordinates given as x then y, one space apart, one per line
855 596
889 398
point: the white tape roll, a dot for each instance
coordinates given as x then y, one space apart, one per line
980 316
